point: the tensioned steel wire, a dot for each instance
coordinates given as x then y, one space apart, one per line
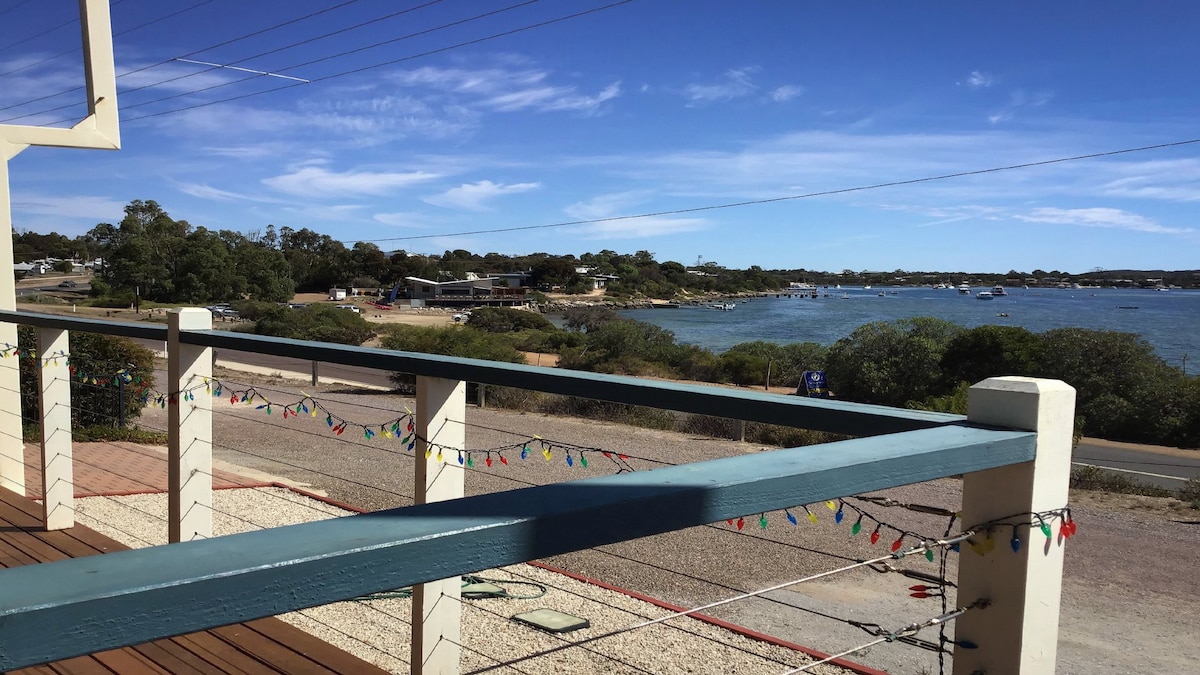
683 629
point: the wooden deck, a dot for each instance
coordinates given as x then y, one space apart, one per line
262 646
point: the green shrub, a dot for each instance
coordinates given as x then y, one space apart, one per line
101 358
323 323
507 320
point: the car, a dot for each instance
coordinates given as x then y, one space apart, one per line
67 284
352 308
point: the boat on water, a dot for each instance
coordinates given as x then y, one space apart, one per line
998 291
867 287
984 295
882 294
964 288
723 306
665 305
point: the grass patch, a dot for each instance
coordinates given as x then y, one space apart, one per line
1097 479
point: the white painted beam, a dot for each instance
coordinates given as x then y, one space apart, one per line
437 605
58 478
1018 631
189 429
12 447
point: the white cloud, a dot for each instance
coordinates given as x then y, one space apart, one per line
735 83
402 219
621 203
471 196
205 191
500 89
1100 217
979 79
786 93
1002 116
314 181
98 209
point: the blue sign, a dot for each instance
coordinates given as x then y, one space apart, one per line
815 385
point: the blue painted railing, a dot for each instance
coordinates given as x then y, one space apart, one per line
63 609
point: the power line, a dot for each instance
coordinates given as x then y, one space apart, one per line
19 4
240 38
391 62
807 195
115 35
325 58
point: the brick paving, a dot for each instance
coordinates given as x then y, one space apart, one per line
117 468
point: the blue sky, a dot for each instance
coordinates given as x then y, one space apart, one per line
649 106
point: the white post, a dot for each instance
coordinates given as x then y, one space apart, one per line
58 479
189 428
1018 631
436 608
12 447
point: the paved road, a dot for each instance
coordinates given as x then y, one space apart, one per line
1162 468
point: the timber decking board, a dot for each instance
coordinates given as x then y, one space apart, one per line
260 647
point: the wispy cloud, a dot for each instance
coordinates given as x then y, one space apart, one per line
205 191
1170 180
73 206
979 79
1019 99
501 89
734 83
473 196
619 203
403 219
1101 217
316 181
786 93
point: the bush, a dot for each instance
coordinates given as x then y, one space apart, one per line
100 358
463 342
322 323
890 363
507 320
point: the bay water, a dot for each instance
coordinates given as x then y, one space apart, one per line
1168 320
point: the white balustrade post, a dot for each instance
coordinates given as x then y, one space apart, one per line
1018 631
58 478
436 608
189 428
12 445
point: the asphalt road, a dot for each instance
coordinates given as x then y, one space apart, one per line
1140 463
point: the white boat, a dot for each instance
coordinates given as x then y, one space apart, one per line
984 295
964 288
867 287
998 291
723 306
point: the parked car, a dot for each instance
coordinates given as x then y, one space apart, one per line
352 308
67 284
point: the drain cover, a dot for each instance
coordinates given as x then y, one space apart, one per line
552 621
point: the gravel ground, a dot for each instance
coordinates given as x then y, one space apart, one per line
377 630
1129 603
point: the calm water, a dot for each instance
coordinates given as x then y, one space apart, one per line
1168 320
